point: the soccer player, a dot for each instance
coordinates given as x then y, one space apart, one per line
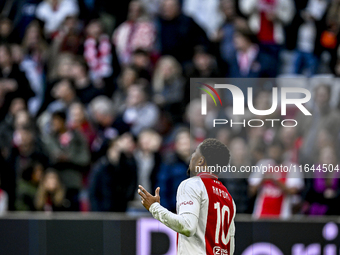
205 209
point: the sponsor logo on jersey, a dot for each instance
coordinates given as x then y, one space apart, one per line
186 203
218 251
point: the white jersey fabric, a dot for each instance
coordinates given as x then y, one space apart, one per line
196 230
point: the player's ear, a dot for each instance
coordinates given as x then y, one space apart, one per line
201 161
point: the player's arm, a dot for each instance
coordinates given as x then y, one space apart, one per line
185 223
293 185
285 188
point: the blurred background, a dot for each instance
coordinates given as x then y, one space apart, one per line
95 99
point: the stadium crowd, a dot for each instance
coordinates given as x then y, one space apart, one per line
95 99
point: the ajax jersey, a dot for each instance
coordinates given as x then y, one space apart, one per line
209 200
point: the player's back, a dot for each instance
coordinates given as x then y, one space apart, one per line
210 200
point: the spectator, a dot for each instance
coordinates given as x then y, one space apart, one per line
291 143
224 135
267 19
69 155
274 190
258 151
148 159
109 125
333 18
25 152
35 75
337 68
197 121
60 68
13 82
307 36
79 121
166 128
203 65
330 37
210 19
54 12
236 183
139 112
64 94
323 117
98 53
69 37
22 13
142 61
138 32
114 179
51 195
324 139
34 45
248 60
263 101
227 29
85 89
28 186
128 77
7 126
323 192
23 120
6 31
174 170
177 33
168 86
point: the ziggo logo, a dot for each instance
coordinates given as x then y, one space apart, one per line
218 251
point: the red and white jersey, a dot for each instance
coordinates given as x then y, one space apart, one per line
271 202
209 200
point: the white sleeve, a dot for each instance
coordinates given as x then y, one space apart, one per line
295 181
188 207
185 224
257 175
189 197
255 179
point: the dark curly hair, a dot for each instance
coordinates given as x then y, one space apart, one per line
215 152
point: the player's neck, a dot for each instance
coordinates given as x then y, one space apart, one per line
207 174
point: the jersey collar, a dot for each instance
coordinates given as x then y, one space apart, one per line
207 175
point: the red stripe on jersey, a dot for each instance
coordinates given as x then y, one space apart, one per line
272 198
207 175
220 216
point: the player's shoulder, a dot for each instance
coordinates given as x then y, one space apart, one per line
193 183
195 180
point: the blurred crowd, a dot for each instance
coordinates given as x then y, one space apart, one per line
95 99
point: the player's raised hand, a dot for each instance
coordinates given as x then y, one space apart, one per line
146 198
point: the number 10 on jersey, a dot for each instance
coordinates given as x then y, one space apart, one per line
221 215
